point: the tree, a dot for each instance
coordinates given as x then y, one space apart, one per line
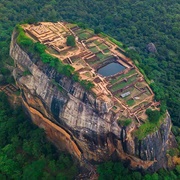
34 170
68 70
40 48
46 58
178 169
71 41
153 116
8 166
136 176
97 30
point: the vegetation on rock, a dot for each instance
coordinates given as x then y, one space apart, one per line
125 122
39 51
153 115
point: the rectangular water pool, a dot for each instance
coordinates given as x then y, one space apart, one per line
111 69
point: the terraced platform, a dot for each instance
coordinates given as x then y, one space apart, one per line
127 88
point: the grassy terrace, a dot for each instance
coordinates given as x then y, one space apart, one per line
75 59
123 84
112 81
97 42
141 104
121 80
102 46
130 102
97 47
69 25
101 56
106 50
83 35
94 49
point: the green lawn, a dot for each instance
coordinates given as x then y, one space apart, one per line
101 56
71 25
106 50
94 49
96 42
130 102
123 84
84 35
122 76
79 31
102 46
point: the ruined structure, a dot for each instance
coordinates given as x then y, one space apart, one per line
89 123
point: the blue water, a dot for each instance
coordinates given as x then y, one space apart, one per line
111 69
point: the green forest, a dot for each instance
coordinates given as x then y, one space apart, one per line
25 152
135 23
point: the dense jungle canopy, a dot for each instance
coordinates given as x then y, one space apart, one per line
134 22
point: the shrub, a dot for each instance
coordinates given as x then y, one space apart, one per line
116 42
173 152
76 77
23 40
46 58
68 70
145 129
163 107
82 25
71 41
87 84
40 48
126 122
97 30
153 116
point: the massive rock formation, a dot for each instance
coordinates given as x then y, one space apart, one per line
76 121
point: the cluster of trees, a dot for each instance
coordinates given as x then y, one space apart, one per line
24 151
116 170
153 115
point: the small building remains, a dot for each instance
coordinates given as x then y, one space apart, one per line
125 94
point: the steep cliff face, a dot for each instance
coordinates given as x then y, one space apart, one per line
75 120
